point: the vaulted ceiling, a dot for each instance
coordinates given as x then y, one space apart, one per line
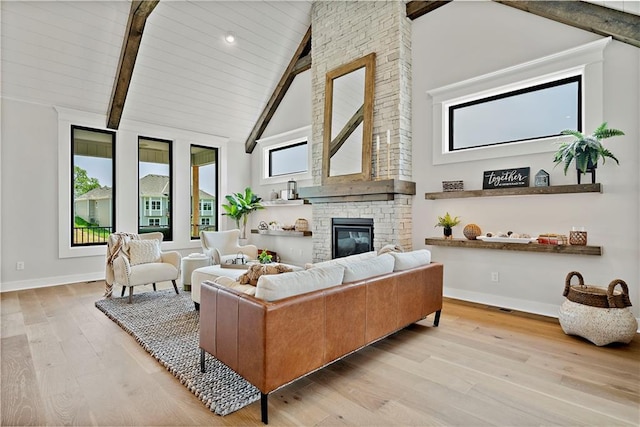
66 53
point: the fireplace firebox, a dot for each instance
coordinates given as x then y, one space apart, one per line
351 236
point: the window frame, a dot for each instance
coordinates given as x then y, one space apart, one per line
586 59
453 107
72 129
282 141
283 147
169 236
216 195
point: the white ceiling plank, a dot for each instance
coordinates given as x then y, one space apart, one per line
66 53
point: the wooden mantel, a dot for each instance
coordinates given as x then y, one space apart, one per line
358 191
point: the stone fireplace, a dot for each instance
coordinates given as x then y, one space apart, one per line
343 32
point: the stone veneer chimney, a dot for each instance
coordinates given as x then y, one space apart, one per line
343 31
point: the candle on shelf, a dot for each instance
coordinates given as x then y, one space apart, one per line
377 156
388 153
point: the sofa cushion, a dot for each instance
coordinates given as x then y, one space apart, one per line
228 282
363 269
144 251
344 260
278 286
407 260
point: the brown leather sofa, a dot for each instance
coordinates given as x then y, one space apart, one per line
271 344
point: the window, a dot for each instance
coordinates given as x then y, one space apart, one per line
286 156
288 159
155 186
92 186
204 189
481 118
533 112
206 208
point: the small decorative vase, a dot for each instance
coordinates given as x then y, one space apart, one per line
302 224
448 232
471 231
591 168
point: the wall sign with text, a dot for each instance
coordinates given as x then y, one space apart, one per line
503 178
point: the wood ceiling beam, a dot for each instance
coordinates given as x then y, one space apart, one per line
416 9
621 26
140 11
300 61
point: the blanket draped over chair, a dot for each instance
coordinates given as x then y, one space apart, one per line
115 244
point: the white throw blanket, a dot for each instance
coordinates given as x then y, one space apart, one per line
115 245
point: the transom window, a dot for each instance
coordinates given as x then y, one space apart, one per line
534 112
519 110
288 159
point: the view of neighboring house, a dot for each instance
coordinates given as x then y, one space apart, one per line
94 206
154 207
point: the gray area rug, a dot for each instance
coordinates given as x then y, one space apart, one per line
166 325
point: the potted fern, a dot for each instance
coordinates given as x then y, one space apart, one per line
447 222
240 206
586 150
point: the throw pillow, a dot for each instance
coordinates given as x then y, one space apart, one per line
390 248
144 251
255 271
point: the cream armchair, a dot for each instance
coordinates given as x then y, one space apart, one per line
223 246
141 262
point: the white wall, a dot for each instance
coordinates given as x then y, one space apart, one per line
293 113
466 39
33 194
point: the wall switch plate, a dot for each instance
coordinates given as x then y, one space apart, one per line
20 265
495 277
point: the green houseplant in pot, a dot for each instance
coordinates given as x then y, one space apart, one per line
447 222
240 206
586 150
265 257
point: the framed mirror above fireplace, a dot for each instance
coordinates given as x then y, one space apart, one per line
348 121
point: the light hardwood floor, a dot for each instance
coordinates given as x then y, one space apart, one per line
65 363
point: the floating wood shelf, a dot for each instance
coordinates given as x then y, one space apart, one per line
521 191
525 247
285 233
280 202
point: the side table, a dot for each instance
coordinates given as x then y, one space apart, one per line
189 264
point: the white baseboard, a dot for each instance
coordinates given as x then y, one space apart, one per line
49 281
526 306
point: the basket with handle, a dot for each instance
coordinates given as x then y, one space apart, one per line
595 296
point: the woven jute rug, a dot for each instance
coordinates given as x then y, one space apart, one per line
166 325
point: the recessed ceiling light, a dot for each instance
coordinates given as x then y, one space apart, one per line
230 38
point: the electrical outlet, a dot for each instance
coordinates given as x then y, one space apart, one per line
20 265
495 277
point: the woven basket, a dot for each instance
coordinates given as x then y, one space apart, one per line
302 225
594 296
